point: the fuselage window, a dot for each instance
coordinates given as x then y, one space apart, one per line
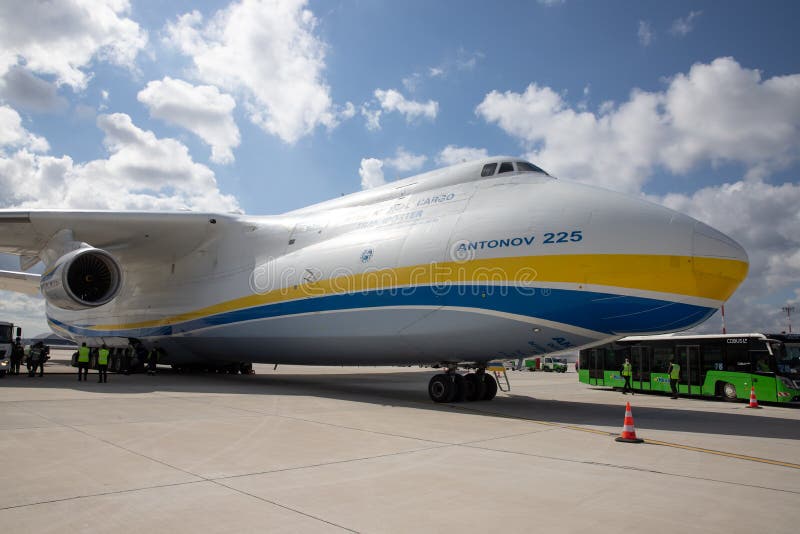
506 166
488 169
524 166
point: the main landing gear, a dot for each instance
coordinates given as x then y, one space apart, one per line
453 387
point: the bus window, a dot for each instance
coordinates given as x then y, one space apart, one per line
737 357
712 359
762 361
5 333
661 357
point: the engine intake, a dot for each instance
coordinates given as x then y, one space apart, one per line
84 278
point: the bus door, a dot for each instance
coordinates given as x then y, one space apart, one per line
689 360
763 376
596 374
640 360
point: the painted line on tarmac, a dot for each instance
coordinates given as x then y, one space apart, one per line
723 453
703 450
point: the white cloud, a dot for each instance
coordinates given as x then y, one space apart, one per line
142 172
392 100
451 154
698 118
23 90
14 135
764 219
372 118
435 72
371 172
645 33
551 3
683 26
201 109
24 311
62 38
405 161
267 51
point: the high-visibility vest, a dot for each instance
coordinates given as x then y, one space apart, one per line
675 373
626 369
102 357
83 355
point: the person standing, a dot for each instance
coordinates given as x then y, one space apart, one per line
674 375
102 364
626 374
83 361
17 354
152 360
36 357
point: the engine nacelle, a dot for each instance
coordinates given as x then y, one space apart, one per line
81 279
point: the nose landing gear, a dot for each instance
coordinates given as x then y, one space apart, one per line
450 386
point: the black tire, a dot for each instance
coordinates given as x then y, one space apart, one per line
728 392
473 388
490 387
441 388
460 386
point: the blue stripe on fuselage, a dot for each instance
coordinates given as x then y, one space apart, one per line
601 312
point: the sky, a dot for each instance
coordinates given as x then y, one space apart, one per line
264 106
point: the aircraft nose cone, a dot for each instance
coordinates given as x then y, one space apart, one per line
720 263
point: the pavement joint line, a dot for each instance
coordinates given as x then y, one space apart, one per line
201 477
692 448
335 462
633 468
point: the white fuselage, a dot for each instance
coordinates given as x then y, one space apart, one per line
445 267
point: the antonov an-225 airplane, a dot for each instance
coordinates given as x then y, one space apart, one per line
455 267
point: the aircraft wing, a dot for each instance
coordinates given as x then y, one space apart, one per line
150 236
20 282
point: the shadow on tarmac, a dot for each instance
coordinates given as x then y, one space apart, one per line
409 389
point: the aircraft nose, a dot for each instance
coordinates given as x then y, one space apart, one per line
719 262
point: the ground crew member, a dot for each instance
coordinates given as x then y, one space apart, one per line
83 361
35 356
152 359
674 374
102 364
626 374
17 354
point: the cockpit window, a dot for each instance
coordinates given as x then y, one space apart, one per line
506 166
524 166
488 169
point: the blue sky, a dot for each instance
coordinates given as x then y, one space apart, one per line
670 100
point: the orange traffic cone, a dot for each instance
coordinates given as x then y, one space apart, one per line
753 400
628 432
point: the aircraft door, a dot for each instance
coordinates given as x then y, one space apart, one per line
640 360
596 367
689 360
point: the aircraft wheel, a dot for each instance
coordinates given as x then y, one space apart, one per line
490 385
460 388
441 388
473 388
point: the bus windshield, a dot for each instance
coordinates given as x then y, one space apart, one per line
788 357
5 333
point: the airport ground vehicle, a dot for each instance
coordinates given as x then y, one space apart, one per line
7 345
724 366
547 364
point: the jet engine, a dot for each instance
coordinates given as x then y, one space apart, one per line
84 278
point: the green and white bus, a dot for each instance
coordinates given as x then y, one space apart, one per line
711 365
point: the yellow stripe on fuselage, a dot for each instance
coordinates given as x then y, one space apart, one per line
710 278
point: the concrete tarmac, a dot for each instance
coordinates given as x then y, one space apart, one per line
364 450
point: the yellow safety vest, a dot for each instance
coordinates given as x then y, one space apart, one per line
102 357
83 355
676 371
626 369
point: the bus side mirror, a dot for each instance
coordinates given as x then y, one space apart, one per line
19 331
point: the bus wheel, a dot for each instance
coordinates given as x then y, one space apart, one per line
728 391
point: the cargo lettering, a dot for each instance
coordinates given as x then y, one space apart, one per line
436 199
